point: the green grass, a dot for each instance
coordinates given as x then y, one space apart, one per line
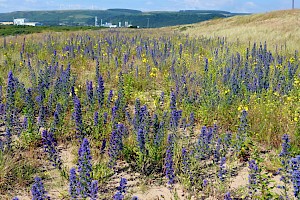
6 30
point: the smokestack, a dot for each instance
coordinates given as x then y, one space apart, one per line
293 5
96 21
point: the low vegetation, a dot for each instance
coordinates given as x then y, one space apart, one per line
6 30
110 114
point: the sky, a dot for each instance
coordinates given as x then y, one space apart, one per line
250 6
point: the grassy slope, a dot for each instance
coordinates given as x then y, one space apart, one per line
277 28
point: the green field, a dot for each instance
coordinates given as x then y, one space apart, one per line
7 30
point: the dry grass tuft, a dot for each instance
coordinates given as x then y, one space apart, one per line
279 28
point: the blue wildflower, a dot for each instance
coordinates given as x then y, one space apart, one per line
56 118
73 185
253 177
109 98
228 140
169 165
296 183
96 118
159 134
128 117
204 140
102 149
185 160
173 101
285 146
141 140
115 146
94 190
192 122
205 183
105 118
174 121
37 190
285 171
123 183
50 146
242 130
114 115
42 116
78 117
100 91
118 196
10 108
121 190
84 168
227 196
217 151
29 107
222 169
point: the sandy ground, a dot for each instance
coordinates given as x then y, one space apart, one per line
139 186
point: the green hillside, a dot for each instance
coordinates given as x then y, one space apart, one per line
135 17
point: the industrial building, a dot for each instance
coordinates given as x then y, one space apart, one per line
6 23
25 22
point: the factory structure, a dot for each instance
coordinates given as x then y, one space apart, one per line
21 22
111 25
25 22
6 23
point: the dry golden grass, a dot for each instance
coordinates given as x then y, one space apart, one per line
281 28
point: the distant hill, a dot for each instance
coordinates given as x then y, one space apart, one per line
134 17
281 29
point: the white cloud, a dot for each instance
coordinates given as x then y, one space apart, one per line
31 1
3 4
247 7
205 4
149 3
250 3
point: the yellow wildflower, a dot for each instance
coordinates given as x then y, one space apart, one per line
241 108
76 90
227 91
153 74
144 60
295 119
